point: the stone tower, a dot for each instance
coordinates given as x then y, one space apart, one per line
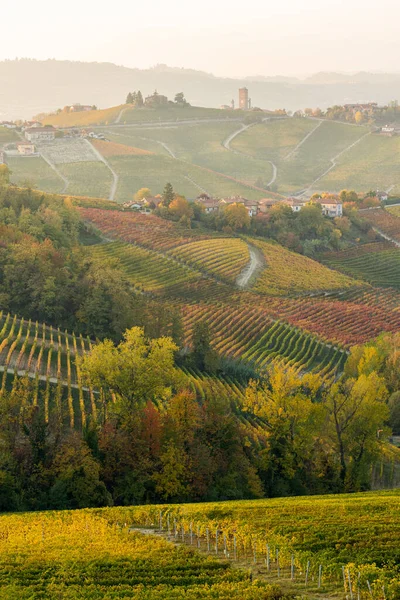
244 98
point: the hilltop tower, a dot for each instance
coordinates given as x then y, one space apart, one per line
244 98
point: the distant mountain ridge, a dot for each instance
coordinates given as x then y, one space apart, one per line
28 87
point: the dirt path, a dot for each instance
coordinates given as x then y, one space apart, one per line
121 112
227 145
333 161
305 138
114 184
255 265
61 176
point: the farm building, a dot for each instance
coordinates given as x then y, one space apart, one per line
3 158
26 148
40 134
80 107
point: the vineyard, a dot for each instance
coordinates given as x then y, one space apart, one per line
341 543
288 273
146 270
384 221
377 263
252 336
136 228
223 258
46 555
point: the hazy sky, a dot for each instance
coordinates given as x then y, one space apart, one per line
231 38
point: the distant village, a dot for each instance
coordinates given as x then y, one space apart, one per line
331 205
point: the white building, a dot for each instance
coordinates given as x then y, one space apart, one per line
40 134
26 148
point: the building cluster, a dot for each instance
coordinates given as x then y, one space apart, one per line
244 101
331 206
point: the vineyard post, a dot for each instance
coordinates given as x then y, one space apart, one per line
191 533
369 589
383 591
277 562
234 548
307 572
183 533
175 529
255 553
208 539
160 520
168 526
319 576
216 541
292 568
268 558
225 546
358 586
344 580
350 586
198 536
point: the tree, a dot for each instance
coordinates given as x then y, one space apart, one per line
236 216
142 193
139 100
180 207
204 356
359 117
4 175
180 99
129 98
137 370
168 194
356 410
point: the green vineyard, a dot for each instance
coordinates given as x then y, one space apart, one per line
378 264
223 258
145 269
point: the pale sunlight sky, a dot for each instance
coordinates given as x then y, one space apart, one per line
231 38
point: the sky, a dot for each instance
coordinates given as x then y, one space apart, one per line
227 38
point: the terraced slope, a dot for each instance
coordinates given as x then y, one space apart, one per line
146 270
288 273
377 263
372 164
384 221
223 258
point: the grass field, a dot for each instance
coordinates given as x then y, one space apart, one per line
87 178
273 140
372 164
7 136
84 118
200 144
187 179
107 149
34 172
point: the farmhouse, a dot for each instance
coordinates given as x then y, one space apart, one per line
331 207
295 203
26 148
3 158
80 107
8 125
265 204
40 134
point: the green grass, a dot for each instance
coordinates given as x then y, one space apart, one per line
35 172
200 144
371 164
154 171
87 178
7 135
174 113
273 140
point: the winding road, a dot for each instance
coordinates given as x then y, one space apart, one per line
256 263
227 145
114 184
